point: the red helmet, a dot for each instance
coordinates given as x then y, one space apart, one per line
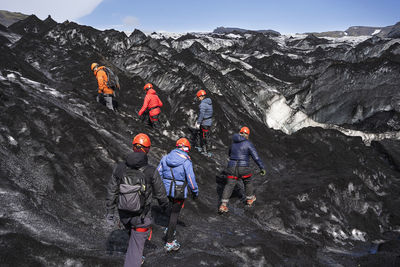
183 142
94 65
245 130
148 86
201 93
142 139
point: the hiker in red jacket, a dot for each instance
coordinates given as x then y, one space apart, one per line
151 106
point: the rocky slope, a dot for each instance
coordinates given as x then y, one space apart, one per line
328 198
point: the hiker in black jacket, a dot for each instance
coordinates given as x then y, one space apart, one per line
138 222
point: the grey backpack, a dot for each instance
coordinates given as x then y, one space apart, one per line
112 79
132 191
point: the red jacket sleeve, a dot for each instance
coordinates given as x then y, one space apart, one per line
145 105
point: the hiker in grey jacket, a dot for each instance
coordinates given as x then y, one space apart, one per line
139 222
204 122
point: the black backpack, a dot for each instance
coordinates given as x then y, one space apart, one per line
133 191
112 79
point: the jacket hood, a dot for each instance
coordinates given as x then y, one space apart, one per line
151 92
207 101
237 138
176 157
136 160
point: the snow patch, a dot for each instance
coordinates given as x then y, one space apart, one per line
232 59
358 235
281 116
11 76
376 32
12 141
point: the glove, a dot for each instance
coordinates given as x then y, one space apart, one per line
110 219
197 126
195 196
263 172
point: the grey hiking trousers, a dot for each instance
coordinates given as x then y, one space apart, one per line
235 173
106 100
133 257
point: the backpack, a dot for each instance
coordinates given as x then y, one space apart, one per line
112 79
133 191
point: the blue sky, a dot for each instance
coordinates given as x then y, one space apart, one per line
285 16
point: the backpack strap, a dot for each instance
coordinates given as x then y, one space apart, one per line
147 201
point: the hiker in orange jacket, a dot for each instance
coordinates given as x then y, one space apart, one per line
151 106
105 94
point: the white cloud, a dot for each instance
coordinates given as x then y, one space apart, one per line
59 10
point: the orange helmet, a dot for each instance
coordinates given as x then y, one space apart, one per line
142 139
148 86
94 65
201 93
245 130
183 142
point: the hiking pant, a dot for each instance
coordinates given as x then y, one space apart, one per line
151 120
138 236
154 122
235 173
106 100
177 205
205 138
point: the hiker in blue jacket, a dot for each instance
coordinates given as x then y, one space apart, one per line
177 173
238 168
204 122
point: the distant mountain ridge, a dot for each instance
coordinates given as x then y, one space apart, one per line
388 31
239 30
8 18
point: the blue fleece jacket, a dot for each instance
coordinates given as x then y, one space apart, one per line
181 165
206 112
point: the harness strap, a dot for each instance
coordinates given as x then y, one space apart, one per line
140 229
247 175
231 177
143 230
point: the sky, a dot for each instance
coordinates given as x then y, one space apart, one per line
284 16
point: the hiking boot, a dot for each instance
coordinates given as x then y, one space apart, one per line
223 208
250 200
172 246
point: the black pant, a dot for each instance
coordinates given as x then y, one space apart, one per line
205 138
177 205
233 174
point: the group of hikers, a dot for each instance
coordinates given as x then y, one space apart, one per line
108 83
134 183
